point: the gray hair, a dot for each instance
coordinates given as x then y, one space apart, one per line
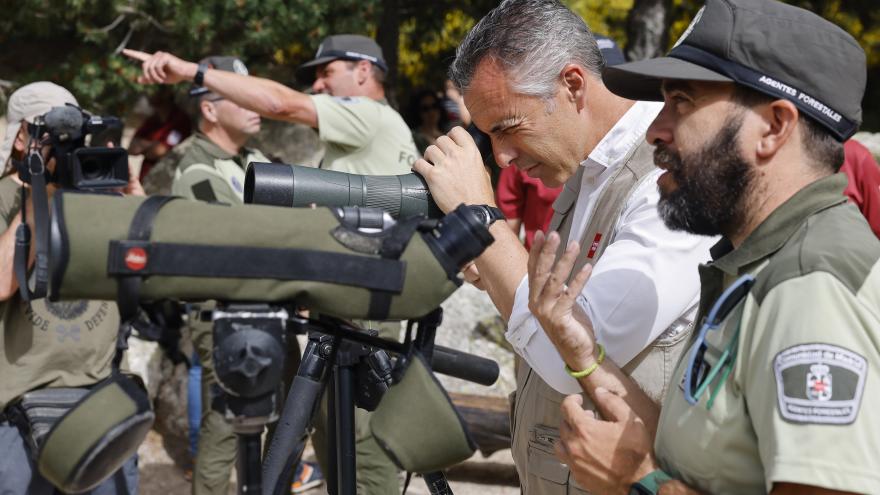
532 40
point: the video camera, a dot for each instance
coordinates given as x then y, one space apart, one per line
79 165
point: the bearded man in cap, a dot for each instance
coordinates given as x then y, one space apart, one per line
361 134
44 345
775 391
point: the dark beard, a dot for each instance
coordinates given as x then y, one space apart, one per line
711 184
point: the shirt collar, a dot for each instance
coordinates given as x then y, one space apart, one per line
782 223
217 151
626 134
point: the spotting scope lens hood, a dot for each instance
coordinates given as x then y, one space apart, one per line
278 184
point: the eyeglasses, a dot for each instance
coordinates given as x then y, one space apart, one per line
697 377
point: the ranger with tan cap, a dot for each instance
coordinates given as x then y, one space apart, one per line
776 390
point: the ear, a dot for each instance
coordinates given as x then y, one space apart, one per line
209 111
574 82
20 142
779 122
363 71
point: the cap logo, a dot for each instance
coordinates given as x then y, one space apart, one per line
605 44
691 26
239 68
136 259
362 56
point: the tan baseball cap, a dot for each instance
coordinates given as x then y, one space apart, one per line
27 102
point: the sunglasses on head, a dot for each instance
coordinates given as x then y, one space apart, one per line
698 375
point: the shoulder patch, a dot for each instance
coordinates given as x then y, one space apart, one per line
819 384
347 99
204 192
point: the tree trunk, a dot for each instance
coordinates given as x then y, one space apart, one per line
388 36
647 29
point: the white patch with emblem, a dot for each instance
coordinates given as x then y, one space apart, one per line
819 383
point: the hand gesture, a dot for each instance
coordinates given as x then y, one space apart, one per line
553 303
162 67
455 172
605 456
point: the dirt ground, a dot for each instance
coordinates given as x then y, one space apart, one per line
159 475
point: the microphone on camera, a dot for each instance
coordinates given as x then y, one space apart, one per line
64 122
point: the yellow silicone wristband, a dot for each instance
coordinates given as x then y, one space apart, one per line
591 368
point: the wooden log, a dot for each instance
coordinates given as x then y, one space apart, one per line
487 419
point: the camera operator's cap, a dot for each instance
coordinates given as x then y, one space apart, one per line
611 52
229 64
777 49
342 47
27 102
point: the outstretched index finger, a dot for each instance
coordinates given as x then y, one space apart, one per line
136 54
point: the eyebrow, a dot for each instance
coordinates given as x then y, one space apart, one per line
505 123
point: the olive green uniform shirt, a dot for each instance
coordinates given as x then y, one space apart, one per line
363 136
796 406
51 344
208 173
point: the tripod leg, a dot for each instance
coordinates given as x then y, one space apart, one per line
249 476
345 454
291 431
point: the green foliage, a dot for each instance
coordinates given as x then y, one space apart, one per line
76 42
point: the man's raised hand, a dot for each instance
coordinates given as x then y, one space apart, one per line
162 67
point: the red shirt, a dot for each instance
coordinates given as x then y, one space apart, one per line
169 132
522 197
864 182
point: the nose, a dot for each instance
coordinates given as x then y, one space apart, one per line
318 86
660 131
504 153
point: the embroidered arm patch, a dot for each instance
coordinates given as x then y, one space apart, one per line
819 384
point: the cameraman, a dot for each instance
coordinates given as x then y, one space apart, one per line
44 344
361 134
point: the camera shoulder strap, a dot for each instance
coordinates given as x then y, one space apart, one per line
36 167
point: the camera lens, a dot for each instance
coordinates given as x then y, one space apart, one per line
92 169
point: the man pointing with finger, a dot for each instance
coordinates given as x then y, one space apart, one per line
360 132
530 76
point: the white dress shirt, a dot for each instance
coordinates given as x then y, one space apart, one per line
645 283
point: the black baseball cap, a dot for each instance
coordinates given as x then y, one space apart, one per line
611 52
219 62
342 47
777 49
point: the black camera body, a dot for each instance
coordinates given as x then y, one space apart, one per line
91 167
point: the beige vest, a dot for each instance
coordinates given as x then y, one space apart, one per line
536 408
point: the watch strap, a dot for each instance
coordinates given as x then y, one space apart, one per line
495 213
199 78
650 484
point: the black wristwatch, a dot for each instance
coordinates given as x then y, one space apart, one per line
487 214
199 78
